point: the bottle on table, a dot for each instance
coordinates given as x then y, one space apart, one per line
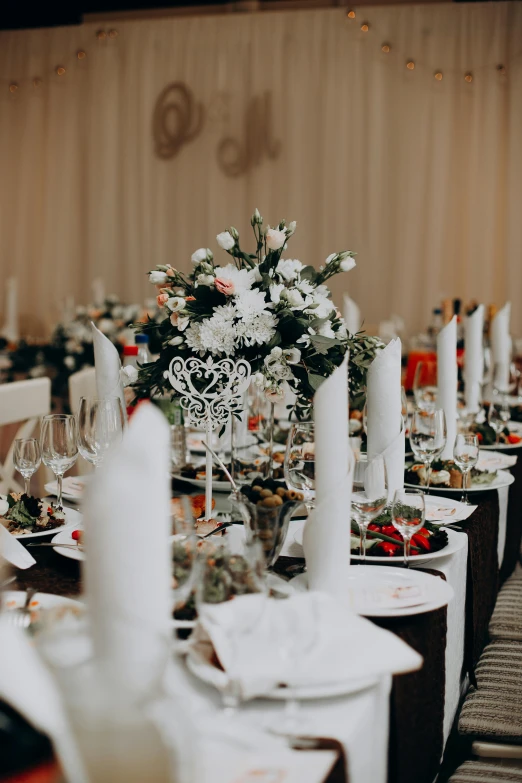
142 343
178 436
130 356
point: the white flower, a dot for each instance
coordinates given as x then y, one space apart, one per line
225 240
250 303
292 355
275 292
305 338
275 353
325 330
275 239
347 264
176 340
69 362
260 329
241 279
330 258
291 228
203 254
259 380
289 269
106 325
176 303
294 297
182 321
205 280
256 275
341 332
322 304
129 375
158 278
4 505
306 287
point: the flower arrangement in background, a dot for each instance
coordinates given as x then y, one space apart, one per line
271 310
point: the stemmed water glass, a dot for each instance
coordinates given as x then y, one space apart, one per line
27 459
498 416
184 550
100 424
425 386
428 437
59 445
299 464
369 496
466 454
408 514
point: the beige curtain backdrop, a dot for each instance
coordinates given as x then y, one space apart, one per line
423 178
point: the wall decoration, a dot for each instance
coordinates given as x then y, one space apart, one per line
236 156
178 119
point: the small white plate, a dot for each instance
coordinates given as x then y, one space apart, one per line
516 428
73 488
502 479
217 486
206 671
15 599
64 537
495 460
73 519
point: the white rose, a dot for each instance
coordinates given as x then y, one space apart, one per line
330 258
183 322
347 264
291 228
199 255
294 297
158 278
326 330
275 292
259 380
225 240
176 340
176 303
205 280
276 352
275 239
4 505
292 355
289 268
256 275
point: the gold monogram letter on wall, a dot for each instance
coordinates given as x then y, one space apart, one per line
177 120
236 157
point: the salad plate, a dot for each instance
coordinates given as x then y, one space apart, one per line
73 519
502 479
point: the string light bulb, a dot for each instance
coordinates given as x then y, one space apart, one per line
468 77
60 70
81 55
101 35
410 65
113 33
351 14
365 27
385 48
37 82
438 76
13 87
501 70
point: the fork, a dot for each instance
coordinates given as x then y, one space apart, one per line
21 616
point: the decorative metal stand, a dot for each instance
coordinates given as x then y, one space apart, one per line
211 391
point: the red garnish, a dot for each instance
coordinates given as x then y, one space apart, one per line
76 535
513 438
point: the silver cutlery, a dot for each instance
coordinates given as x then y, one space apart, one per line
64 546
21 616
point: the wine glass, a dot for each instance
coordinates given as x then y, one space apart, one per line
100 424
428 437
404 409
505 379
59 446
466 415
498 416
408 513
425 386
225 572
369 496
299 466
184 551
466 454
26 459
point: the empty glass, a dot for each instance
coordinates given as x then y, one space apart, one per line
300 461
369 496
428 437
408 514
184 550
498 416
100 424
466 454
27 459
59 445
425 386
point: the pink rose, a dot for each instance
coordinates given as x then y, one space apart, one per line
171 272
224 286
162 299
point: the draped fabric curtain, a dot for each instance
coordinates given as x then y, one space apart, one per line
422 177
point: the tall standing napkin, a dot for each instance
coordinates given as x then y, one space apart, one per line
108 367
501 347
474 357
98 291
384 413
351 314
128 574
326 538
13 551
447 382
10 328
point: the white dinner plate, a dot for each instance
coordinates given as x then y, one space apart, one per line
15 599
495 460
371 591
217 486
73 519
202 667
73 488
64 537
516 428
502 479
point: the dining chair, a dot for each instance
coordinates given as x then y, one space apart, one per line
23 403
81 384
476 771
506 620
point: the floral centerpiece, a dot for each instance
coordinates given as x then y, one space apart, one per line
271 310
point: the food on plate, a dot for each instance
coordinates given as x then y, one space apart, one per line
269 493
486 436
446 473
383 540
197 503
23 514
77 535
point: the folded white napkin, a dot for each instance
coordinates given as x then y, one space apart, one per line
12 550
72 485
501 347
351 315
128 571
495 460
27 686
327 532
309 639
447 381
98 291
474 357
10 328
384 413
108 367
